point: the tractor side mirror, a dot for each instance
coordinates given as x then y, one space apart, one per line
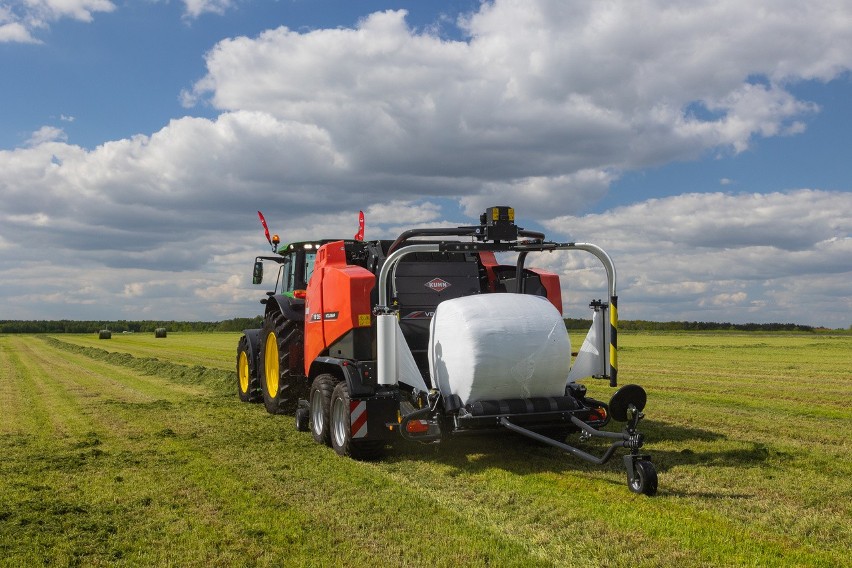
257 276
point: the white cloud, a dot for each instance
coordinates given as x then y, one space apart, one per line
538 193
542 93
134 289
726 299
82 10
195 8
790 221
542 107
46 134
697 256
19 20
405 212
15 32
227 291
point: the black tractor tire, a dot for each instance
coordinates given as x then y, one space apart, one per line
248 383
320 401
281 352
644 478
341 430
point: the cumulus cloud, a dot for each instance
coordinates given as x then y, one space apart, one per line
46 134
695 256
556 97
19 20
791 221
195 8
542 104
15 32
82 10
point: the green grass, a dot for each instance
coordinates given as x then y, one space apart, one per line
136 451
212 350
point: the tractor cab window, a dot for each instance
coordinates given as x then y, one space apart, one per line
284 283
296 270
310 257
289 274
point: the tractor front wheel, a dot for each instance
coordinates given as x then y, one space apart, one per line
248 385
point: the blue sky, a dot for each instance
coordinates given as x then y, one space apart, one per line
705 145
121 73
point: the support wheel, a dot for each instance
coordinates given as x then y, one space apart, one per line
341 429
644 478
302 417
248 384
320 401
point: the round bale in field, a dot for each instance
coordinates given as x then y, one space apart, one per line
104 334
160 332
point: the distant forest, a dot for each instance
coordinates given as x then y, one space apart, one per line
239 324
643 325
120 326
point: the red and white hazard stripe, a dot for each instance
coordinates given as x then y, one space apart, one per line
358 418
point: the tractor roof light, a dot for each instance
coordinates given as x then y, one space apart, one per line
301 294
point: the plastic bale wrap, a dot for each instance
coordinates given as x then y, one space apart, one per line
593 358
499 346
396 363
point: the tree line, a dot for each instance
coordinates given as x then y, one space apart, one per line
120 326
239 324
644 325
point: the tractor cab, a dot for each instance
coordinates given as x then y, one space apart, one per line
295 266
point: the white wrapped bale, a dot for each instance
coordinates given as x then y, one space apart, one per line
499 346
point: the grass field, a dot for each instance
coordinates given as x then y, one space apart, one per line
136 451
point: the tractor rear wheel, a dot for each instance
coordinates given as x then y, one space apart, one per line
281 347
340 424
248 384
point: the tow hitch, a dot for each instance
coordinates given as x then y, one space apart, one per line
626 405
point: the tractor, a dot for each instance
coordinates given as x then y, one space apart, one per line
430 337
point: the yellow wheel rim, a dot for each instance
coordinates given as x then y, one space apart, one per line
270 361
244 372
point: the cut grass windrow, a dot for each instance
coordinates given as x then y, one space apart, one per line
112 459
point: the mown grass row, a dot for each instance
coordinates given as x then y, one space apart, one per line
215 350
111 459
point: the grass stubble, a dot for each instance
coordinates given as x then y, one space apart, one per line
128 453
